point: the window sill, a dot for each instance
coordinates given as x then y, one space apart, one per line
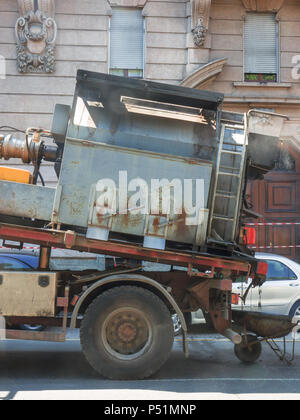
264 85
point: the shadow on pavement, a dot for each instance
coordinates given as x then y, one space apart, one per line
211 368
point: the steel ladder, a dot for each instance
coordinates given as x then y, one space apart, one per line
236 188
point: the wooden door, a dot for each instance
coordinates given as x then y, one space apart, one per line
277 199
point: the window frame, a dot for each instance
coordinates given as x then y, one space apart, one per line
144 40
278 50
292 275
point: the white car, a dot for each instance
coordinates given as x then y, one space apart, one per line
280 294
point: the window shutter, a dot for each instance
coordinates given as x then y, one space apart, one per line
261 43
127 39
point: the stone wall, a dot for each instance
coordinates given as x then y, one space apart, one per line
226 31
171 56
28 100
166 29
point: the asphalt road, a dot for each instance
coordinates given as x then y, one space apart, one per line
32 370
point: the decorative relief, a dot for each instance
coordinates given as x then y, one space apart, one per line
200 20
36 32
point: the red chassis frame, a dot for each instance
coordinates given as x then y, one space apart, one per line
207 265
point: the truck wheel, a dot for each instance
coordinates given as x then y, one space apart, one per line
127 333
248 354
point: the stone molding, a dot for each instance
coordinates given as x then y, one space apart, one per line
205 74
200 20
127 3
36 32
263 5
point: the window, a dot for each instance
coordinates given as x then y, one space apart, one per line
127 42
279 271
261 46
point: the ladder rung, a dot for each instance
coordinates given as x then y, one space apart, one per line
224 192
223 218
231 196
229 168
230 152
227 174
233 144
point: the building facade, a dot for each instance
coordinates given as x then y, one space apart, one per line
247 49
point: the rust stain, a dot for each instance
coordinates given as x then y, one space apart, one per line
180 224
156 225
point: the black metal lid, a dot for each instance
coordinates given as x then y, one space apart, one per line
144 89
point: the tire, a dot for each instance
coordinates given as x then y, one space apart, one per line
32 328
246 354
127 333
295 310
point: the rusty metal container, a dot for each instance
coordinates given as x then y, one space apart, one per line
146 162
263 324
132 132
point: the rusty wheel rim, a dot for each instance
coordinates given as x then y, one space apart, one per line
126 333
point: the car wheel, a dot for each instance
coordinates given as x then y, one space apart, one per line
177 324
295 310
32 328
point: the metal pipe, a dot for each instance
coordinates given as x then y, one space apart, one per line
30 150
11 147
44 259
232 336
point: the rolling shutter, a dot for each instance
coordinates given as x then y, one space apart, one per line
126 39
261 43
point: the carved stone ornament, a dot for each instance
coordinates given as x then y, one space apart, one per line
36 32
200 20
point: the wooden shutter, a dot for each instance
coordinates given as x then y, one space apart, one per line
126 39
261 43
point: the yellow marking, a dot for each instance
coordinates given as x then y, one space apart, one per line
15 175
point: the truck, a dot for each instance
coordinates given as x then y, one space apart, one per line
154 177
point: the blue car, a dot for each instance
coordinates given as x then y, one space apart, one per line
20 261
